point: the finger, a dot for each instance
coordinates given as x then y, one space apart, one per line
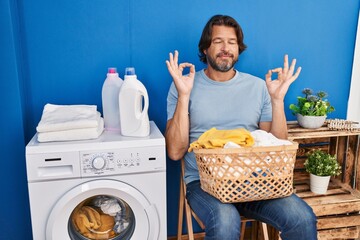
297 73
170 69
279 71
192 71
286 64
292 67
268 76
176 57
192 68
168 64
171 59
184 65
276 70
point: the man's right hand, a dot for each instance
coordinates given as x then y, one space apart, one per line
183 83
177 128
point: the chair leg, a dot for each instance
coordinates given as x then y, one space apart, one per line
189 221
254 230
264 231
242 232
183 204
181 211
243 228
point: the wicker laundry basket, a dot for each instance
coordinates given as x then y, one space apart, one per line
247 174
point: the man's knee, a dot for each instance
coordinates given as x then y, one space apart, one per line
225 220
303 220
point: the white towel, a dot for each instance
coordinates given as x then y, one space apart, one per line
73 134
67 117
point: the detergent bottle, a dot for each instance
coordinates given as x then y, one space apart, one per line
134 104
110 100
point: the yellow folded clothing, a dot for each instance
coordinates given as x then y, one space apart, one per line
214 138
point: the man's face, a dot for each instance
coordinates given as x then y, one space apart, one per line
223 52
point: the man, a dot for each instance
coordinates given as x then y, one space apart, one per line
220 96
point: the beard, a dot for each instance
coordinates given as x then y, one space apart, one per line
222 65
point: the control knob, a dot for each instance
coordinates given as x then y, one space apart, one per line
98 162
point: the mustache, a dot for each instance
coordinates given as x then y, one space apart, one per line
225 54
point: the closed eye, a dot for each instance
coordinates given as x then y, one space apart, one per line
217 41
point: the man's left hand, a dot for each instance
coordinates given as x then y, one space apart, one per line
278 87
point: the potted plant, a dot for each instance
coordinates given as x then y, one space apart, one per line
321 166
311 110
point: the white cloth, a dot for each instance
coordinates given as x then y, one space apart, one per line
263 138
73 134
110 207
68 117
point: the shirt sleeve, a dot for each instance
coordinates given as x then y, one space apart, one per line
266 112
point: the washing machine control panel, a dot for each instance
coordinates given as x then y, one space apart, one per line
119 161
97 163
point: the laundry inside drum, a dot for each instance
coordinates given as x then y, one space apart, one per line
101 217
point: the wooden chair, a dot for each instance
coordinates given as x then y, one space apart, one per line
189 213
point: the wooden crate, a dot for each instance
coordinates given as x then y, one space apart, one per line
338 211
344 144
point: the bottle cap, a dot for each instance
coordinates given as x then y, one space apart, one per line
129 71
112 70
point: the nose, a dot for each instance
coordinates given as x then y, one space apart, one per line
224 46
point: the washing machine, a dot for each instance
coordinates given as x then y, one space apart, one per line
113 187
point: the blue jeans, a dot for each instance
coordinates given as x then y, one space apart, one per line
290 215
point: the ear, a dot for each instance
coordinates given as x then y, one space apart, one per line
204 51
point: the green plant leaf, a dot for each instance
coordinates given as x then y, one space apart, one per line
321 163
312 105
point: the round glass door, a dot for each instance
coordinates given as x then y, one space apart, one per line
79 214
101 217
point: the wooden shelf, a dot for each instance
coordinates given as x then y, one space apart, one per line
337 210
297 132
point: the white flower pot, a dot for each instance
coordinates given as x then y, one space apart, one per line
319 184
310 121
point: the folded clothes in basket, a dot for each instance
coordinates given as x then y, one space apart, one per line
215 138
232 169
238 138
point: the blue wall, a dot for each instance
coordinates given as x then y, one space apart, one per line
59 51
14 205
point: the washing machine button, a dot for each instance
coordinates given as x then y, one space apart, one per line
98 162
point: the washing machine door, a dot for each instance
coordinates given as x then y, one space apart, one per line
145 220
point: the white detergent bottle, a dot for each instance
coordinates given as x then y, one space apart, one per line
134 104
110 100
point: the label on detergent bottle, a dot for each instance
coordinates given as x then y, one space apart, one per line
133 104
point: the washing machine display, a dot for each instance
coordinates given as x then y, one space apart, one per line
113 188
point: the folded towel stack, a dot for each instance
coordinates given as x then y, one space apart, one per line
69 122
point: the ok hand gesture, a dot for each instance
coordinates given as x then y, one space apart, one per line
278 87
183 83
